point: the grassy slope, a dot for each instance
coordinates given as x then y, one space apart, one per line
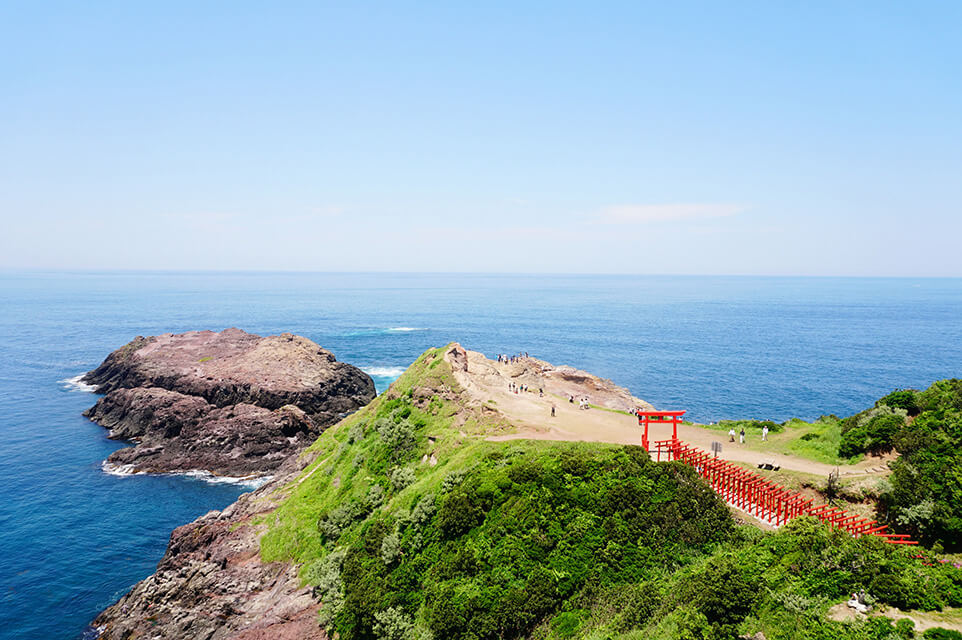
342 470
342 511
817 440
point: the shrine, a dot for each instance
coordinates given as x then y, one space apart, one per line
646 418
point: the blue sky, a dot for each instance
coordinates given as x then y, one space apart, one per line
685 137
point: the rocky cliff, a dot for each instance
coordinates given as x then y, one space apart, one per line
231 403
212 585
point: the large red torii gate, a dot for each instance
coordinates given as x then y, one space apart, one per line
646 418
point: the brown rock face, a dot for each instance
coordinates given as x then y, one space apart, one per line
231 403
212 585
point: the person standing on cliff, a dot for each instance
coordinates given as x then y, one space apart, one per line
552 411
741 436
731 434
765 433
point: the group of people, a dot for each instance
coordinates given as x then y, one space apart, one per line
741 434
505 359
582 402
520 388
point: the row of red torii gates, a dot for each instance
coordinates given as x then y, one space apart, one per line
752 492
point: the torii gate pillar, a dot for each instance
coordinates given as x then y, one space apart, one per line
646 418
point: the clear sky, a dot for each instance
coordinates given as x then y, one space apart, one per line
815 138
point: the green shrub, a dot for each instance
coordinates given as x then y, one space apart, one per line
875 435
390 548
567 623
905 628
325 575
392 624
402 477
356 432
925 498
399 436
907 399
722 594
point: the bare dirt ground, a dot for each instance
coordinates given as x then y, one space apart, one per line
947 619
488 382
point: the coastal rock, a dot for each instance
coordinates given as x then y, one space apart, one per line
212 585
230 403
233 366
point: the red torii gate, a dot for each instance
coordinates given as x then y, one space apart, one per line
646 418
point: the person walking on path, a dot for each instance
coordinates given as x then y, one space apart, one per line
741 436
765 433
731 434
552 411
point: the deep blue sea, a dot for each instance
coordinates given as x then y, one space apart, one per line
73 539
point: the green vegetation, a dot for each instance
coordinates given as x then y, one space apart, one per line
872 430
817 440
926 494
551 540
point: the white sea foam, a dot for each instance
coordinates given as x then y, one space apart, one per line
405 329
117 469
127 470
383 372
254 482
76 384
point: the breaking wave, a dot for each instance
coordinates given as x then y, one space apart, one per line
383 372
75 384
127 470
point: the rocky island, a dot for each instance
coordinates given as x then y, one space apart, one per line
230 403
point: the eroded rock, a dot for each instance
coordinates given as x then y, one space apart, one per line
231 403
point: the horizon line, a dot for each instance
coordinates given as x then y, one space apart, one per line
120 271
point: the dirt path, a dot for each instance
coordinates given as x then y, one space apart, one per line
949 618
488 382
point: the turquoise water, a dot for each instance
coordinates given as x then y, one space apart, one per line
73 539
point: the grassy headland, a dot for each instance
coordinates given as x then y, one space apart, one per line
410 525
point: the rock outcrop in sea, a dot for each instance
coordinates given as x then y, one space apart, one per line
230 403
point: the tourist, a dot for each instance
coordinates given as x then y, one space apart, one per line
731 434
741 436
764 433
552 411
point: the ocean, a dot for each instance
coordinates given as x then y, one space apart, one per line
74 538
